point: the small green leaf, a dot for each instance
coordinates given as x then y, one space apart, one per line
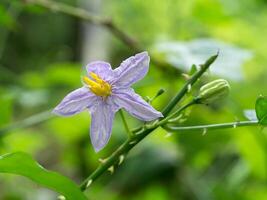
193 70
261 110
23 164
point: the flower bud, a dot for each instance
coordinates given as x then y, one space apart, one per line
213 91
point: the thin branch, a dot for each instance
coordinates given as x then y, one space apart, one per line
178 111
125 123
87 16
207 127
105 22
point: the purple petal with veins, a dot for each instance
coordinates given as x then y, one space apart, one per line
76 102
103 108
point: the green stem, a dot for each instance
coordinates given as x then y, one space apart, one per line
188 84
123 150
207 127
115 156
125 123
142 132
174 114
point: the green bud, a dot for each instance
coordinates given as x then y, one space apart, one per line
160 92
213 91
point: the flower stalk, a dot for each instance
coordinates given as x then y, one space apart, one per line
130 134
211 126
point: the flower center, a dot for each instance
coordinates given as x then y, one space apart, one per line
97 85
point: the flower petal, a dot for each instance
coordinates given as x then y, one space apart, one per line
75 102
135 105
101 125
132 70
102 69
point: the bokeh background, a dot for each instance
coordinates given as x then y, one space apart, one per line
42 57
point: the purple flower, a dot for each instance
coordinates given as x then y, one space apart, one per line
105 91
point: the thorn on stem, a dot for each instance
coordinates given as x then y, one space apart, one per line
189 88
234 126
132 142
102 161
121 159
61 197
186 76
168 135
204 131
89 183
111 169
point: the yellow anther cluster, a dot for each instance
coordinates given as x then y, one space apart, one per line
97 85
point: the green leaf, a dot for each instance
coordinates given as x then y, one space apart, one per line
193 70
5 18
261 110
23 164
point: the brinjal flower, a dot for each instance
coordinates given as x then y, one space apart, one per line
104 92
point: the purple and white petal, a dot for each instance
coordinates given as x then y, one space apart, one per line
131 70
102 69
135 105
75 102
101 125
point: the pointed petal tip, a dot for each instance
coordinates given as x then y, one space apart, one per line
99 146
54 111
97 149
156 116
58 113
160 114
143 53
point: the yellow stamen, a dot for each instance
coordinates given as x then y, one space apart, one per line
97 78
97 85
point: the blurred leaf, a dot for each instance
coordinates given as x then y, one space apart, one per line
64 74
255 159
5 18
24 140
56 74
32 79
182 54
251 115
261 110
193 69
6 110
33 98
22 164
155 192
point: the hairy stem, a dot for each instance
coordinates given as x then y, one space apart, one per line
207 127
177 98
174 114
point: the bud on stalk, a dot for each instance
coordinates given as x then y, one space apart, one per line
213 91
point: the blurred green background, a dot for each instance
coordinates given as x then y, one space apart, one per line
42 56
